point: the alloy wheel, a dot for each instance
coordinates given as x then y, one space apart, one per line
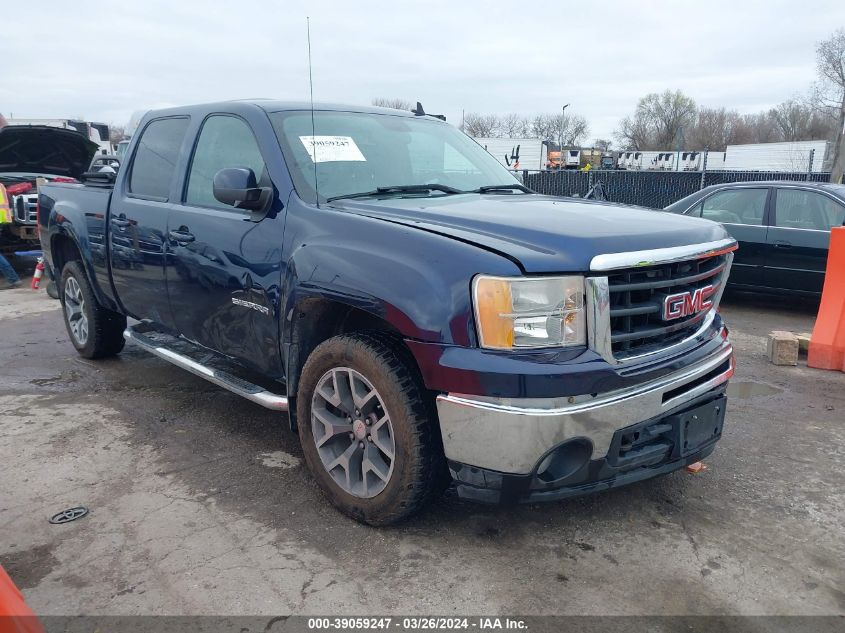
75 311
353 432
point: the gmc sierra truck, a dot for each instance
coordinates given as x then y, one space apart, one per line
420 314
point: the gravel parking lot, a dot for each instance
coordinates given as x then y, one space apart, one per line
200 503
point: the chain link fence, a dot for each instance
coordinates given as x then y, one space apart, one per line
653 189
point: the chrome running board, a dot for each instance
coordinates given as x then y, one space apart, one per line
157 343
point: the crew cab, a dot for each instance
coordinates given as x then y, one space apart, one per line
421 315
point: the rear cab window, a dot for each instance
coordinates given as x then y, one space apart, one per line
154 163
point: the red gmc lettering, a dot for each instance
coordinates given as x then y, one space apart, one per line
688 303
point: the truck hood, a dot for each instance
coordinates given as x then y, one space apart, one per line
40 149
542 234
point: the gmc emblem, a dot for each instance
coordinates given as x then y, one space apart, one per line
688 303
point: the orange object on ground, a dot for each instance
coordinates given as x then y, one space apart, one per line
827 345
15 616
39 272
696 467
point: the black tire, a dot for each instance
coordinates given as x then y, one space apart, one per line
104 327
52 290
419 467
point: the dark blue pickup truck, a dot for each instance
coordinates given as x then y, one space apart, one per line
417 311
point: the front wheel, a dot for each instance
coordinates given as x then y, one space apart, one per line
95 331
368 432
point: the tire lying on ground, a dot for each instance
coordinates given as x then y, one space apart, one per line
95 331
368 428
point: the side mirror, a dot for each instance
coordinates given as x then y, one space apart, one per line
237 187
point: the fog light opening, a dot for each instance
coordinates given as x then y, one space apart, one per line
565 460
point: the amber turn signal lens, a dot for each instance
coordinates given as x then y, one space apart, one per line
493 306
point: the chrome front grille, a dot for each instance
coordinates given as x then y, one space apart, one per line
637 300
626 307
26 208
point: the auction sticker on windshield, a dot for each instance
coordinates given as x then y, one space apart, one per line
328 149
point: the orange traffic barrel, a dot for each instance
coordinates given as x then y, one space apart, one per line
15 616
827 344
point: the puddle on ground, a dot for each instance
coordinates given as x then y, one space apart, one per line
751 389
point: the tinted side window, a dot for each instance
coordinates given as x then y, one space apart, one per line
225 141
736 206
797 209
155 159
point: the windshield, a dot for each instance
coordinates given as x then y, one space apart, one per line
358 153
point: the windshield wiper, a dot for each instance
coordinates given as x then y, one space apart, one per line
398 189
514 186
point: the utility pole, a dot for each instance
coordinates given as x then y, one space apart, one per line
839 162
560 135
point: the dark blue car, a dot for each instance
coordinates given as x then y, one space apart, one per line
420 315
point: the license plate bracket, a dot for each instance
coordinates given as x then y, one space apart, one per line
701 425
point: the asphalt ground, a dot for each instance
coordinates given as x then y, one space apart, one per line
200 503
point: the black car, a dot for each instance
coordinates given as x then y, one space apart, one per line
783 230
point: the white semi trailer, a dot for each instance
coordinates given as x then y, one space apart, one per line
789 156
517 153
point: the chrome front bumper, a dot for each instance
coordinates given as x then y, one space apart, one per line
512 435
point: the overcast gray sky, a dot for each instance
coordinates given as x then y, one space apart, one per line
101 61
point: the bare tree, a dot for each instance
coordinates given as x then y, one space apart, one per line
797 122
830 64
514 125
602 144
396 103
716 128
116 134
572 128
659 120
634 133
575 129
761 128
481 125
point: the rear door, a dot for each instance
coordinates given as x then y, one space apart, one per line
799 238
742 211
138 221
224 269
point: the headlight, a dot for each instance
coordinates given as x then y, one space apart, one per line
524 312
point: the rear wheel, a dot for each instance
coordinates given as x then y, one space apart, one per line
368 432
95 331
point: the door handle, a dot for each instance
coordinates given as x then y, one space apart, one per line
182 237
783 244
121 222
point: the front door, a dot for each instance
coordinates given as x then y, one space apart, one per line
224 273
742 211
799 238
138 222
